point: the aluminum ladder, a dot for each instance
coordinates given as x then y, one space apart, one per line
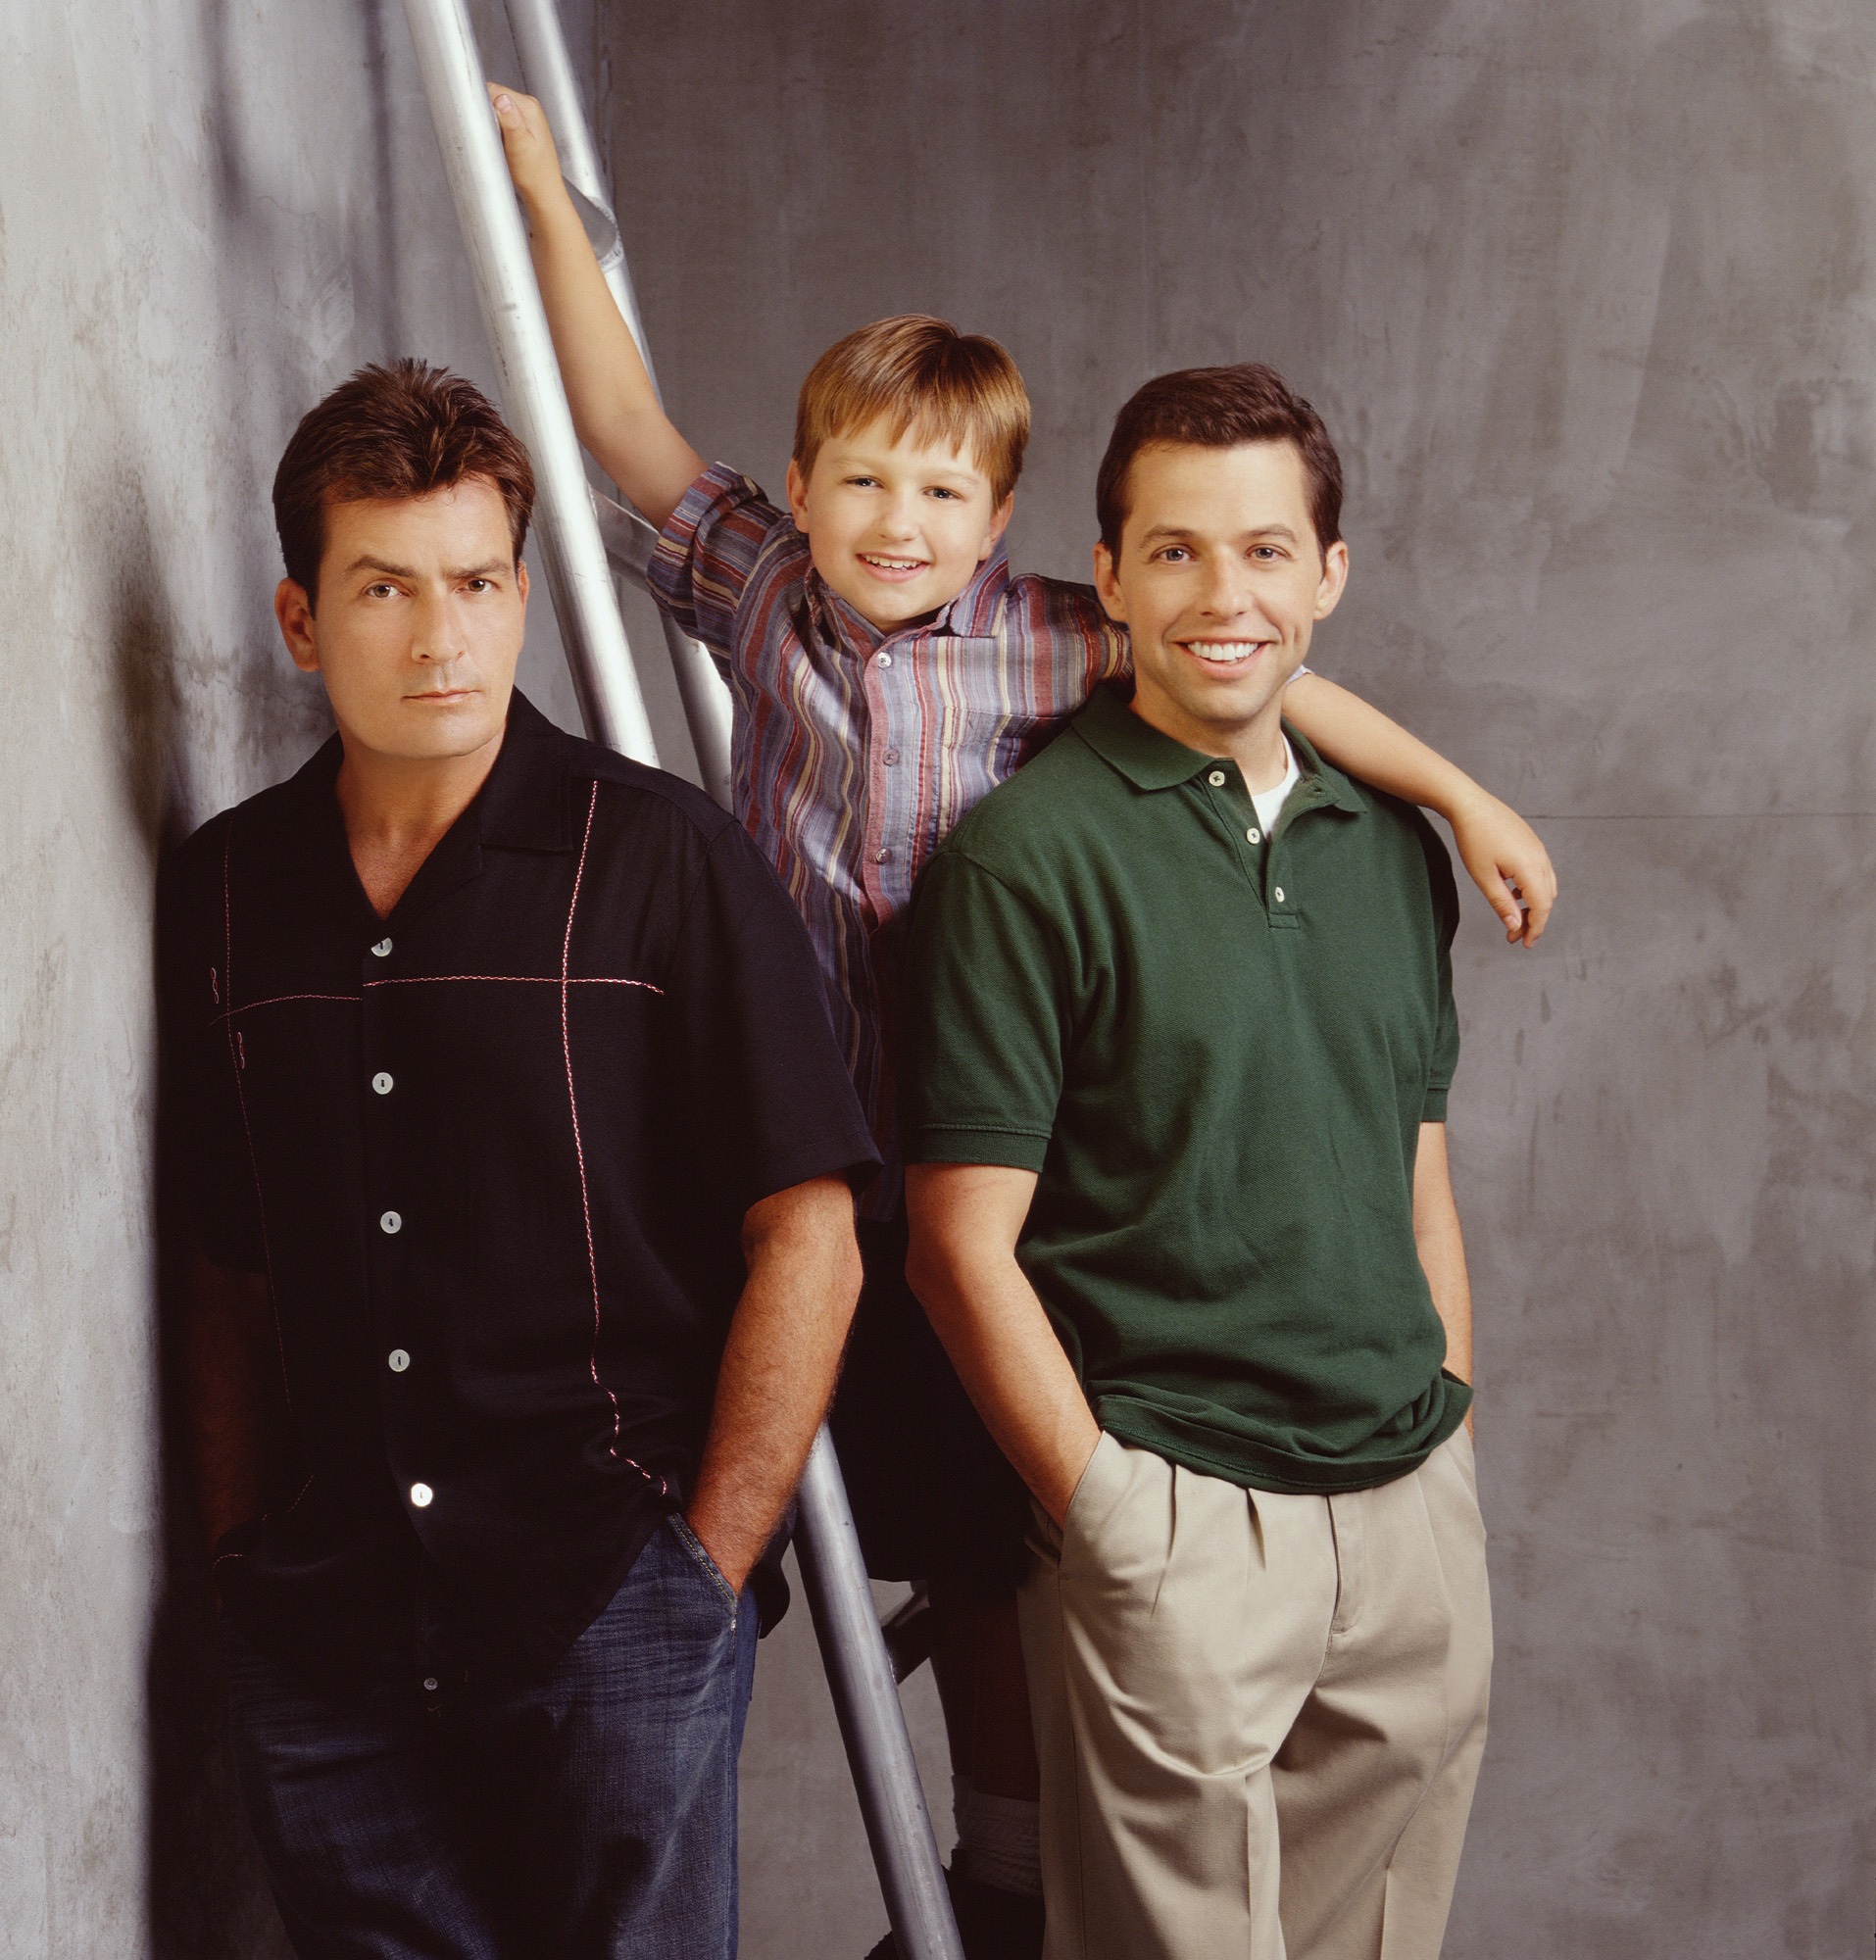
584 537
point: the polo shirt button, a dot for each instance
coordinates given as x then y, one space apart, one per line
892 755
400 1361
381 1083
420 1495
382 948
882 856
429 1683
1217 779
884 661
1279 895
390 1222
1253 836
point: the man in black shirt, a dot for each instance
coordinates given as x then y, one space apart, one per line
521 1158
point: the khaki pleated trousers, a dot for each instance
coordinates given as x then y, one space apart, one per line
1260 1715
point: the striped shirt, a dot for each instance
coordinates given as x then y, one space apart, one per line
856 751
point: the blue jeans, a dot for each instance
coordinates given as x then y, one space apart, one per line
588 1812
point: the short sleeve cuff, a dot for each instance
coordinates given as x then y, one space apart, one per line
944 1143
673 568
1433 1110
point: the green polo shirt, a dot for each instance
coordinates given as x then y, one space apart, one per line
1216 1049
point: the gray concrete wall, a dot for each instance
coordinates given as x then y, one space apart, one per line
1586 291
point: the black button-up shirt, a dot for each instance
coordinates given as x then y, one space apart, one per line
493 1154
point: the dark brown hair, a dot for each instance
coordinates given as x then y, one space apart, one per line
1219 408
959 388
398 430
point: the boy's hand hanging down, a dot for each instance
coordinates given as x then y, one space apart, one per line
1510 865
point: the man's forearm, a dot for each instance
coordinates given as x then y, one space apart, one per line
995 1330
1442 1247
1359 738
778 1369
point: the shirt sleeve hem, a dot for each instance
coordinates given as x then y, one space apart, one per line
669 569
959 1144
1433 1110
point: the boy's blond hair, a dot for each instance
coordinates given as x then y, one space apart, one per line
921 372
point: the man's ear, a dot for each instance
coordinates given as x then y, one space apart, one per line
293 609
1107 586
796 487
520 580
1334 582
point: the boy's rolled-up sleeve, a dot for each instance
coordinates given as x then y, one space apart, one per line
984 1021
707 553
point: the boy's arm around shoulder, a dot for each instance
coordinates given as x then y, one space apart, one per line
1503 855
616 407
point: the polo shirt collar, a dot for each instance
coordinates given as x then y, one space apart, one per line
1153 760
973 613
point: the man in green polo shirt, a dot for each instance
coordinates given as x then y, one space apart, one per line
1178 1033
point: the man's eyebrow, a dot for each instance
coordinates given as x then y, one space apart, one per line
1161 533
482 571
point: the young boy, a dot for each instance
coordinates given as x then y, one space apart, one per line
887 671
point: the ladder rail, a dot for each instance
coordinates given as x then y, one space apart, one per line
547 67
578 578
571 517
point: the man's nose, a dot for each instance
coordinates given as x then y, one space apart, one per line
1227 592
437 638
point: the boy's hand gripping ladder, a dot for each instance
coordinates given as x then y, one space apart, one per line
580 532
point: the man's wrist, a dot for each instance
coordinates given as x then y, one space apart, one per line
1067 1475
1466 801
735 1568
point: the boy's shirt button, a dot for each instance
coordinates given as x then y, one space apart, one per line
892 755
1217 779
882 856
884 661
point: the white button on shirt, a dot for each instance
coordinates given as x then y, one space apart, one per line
1252 836
885 660
400 1361
382 948
1279 895
1217 779
381 1083
420 1495
390 1222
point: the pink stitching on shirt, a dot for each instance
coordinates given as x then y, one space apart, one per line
580 1153
428 979
526 979
266 1518
275 999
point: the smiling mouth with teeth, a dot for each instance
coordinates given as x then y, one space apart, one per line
892 563
1221 652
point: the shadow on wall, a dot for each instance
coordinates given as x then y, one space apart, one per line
207 1898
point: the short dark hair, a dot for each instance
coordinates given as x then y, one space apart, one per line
1219 408
401 429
